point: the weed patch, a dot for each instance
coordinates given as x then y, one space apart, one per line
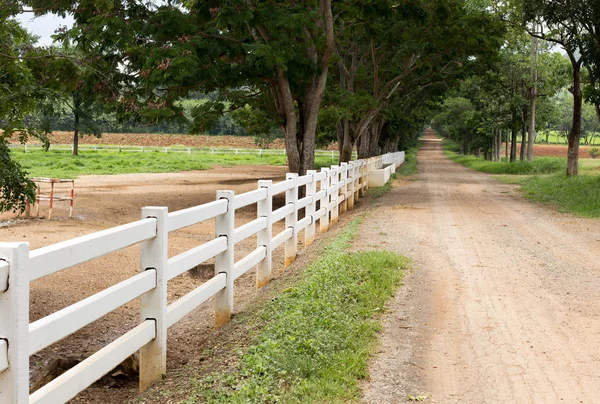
318 334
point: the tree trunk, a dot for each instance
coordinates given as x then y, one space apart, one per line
494 146
300 139
348 144
523 151
533 99
513 142
499 143
76 113
506 147
575 133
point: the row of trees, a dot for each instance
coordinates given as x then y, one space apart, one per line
551 45
364 73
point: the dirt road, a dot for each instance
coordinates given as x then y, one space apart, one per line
502 306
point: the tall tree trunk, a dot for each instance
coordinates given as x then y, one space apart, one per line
300 139
348 145
533 99
506 147
339 132
523 151
513 142
76 114
575 133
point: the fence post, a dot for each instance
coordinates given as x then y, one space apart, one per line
344 188
351 179
324 221
224 226
335 195
311 190
153 304
189 150
263 238
291 197
26 149
14 323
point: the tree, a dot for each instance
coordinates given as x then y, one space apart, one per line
561 23
244 49
74 86
393 56
17 99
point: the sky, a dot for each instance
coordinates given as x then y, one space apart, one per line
43 26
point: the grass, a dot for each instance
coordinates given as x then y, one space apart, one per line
317 336
380 191
60 164
541 165
409 167
544 180
579 195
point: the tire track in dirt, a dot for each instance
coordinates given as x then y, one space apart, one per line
502 306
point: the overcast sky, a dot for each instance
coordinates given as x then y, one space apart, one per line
43 26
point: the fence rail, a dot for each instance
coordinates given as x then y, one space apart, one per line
169 149
329 193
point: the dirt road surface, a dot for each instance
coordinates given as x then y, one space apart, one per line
502 306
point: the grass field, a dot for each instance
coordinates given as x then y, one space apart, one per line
554 137
315 339
61 164
544 180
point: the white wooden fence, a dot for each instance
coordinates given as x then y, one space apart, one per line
170 149
328 193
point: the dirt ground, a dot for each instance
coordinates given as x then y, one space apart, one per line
164 140
502 305
554 150
102 202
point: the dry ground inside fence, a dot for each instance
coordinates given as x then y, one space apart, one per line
502 306
102 202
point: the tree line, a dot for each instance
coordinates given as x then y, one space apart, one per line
547 78
369 75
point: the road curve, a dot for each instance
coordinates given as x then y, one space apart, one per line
504 303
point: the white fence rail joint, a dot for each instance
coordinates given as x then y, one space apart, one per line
327 194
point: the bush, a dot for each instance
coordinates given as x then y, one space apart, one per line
594 152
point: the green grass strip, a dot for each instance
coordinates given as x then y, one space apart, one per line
579 195
59 164
541 165
317 336
409 167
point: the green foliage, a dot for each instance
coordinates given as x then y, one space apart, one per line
594 152
15 187
18 93
61 164
316 337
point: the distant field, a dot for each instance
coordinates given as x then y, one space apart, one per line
162 140
554 137
61 164
554 150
